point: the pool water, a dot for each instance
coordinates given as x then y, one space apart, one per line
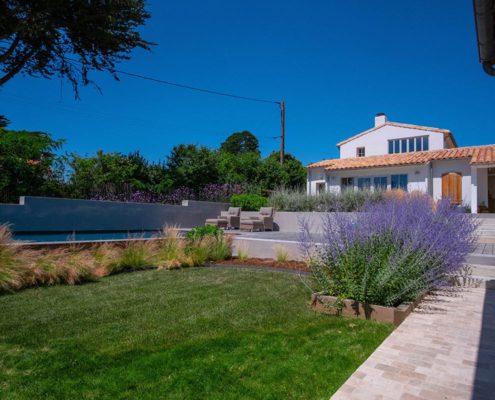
83 236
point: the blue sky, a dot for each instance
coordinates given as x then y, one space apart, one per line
335 63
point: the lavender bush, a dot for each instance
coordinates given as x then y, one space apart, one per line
299 200
219 192
391 252
210 192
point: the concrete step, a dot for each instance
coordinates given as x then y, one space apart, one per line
485 216
481 259
484 272
486 239
484 247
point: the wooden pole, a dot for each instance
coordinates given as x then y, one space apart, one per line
282 131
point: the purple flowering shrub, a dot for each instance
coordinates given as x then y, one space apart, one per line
392 251
210 192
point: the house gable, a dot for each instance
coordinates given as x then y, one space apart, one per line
375 141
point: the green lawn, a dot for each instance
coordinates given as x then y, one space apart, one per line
199 333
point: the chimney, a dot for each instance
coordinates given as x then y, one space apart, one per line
380 119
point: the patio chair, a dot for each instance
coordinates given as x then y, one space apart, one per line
232 216
265 217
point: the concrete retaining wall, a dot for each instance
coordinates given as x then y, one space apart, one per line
263 248
286 221
42 214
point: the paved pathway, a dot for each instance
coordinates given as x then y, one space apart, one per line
485 248
444 350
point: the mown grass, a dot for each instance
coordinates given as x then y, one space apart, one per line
202 333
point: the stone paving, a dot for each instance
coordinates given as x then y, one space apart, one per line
485 248
443 350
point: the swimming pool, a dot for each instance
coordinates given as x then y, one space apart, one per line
83 236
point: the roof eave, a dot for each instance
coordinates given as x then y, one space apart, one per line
378 166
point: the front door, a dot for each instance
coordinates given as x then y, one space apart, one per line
452 187
491 191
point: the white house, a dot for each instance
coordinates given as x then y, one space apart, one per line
393 155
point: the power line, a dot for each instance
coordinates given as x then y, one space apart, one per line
132 121
217 93
197 89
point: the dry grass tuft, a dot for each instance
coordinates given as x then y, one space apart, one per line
105 255
171 249
242 252
136 255
21 267
10 263
281 253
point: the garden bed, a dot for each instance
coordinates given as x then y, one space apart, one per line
352 308
266 263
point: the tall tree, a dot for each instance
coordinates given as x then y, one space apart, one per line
192 166
290 174
40 38
113 174
240 143
4 121
242 168
28 164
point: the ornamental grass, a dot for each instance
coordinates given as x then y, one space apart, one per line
22 267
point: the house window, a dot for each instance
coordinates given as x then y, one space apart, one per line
346 183
360 152
364 183
320 187
380 183
399 182
420 143
411 144
426 145
396 146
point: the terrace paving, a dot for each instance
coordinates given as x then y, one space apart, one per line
485 249
275 235
444 350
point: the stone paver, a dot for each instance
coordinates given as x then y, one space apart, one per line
485 248
443 350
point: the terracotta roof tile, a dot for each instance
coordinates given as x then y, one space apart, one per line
478 154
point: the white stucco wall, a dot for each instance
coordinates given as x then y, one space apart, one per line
376 142
461 166
416 176
315 176
418 179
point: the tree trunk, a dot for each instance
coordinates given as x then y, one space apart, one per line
10 50
9 75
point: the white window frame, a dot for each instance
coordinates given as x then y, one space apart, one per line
397 144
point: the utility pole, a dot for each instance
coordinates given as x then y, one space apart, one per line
282 131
